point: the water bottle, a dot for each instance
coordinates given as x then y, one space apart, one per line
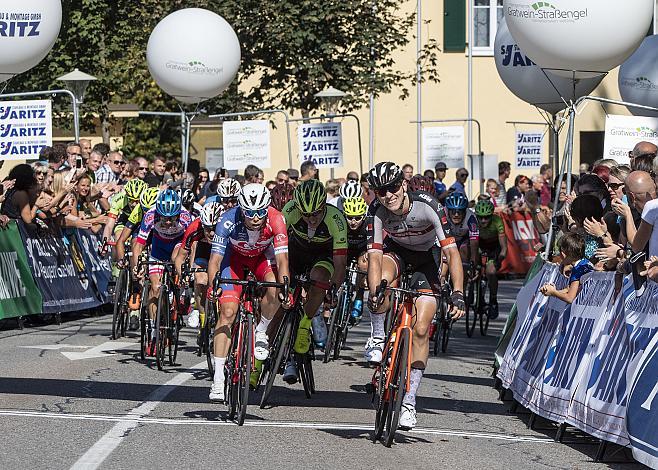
319 328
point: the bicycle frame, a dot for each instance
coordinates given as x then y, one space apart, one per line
404 317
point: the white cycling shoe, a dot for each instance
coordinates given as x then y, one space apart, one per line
374 349
193 320
261 346
407 417
216 393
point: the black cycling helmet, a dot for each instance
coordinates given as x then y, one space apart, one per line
384 174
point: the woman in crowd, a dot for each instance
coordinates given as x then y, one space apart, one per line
20 200
84 213
515 195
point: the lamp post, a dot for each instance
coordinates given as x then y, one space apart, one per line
330 97
77 83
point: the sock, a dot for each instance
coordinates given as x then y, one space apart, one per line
263 324
414 382
377 324
220 362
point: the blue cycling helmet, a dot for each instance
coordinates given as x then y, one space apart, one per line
169 203
456 202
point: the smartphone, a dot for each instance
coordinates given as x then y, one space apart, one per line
78 162
637 264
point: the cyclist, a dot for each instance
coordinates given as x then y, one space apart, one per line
196 244
414 221
355 210
281 195
493 243
251 236
121 206
349 189
166 222
188 200
464 228
318 242
228 190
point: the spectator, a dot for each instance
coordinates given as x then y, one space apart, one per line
188 180
368 195
85 147
101 148
172 173
646 232
458 185
293 174
641 149
282 177
639 189
504 170
408 171
20 200
84 214
251 173
515 196
584 168
93 164
308 171
616 181
40 173
270 184
563 197
546 173
574 263
60 155
352 176
332 186
609 162
439 186
111 171
592 184
156 177
50 157
643 163
200 183
586 218
240 179
491 188
602 172
536 183
73 152
429 174
261 176
143 169
131 170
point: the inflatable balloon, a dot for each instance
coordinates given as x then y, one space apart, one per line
528 82
638 77
28 31
588 36
193 54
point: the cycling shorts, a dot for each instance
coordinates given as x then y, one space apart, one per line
202 254
233 267
301 259
425 264
156 268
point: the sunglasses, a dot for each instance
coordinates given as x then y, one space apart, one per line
282 180
354 218
228 200
313 214
172 219
389 188
615 186
456 211
253 213
39 172
119 162
484 218
462 175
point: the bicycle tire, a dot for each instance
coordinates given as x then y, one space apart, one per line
145 327
484 316
471 310
161 327
244 369
232 364
209 339
446 326
175 334
341 339
398 384
436 338
333 330
381 406
279 352
120 287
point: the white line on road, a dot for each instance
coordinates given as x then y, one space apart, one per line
132 420
101 450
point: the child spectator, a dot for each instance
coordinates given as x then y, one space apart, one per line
572 249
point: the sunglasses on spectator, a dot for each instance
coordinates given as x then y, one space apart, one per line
313 214
142 168
119 162
41 172
253 213
615 186
389 188
282 180
462 175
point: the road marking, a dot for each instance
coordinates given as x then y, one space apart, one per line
101 450
102 350
54 347
133 419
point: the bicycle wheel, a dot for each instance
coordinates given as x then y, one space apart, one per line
446 325
333 329
145 320
230 384
471 309
380 399
161 327
209 336
279 352
484 315
244 369
176 326
397 388
120 291
306 373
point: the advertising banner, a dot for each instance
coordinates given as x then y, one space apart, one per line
26 127
322 143
63 286
443 144
246 143
528 149
18 292
522 237
623 132
99 270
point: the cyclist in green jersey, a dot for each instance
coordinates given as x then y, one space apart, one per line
121 206
493 243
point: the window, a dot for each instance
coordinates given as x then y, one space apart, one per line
486 16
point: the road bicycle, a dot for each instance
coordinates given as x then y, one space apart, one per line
477 309
442 319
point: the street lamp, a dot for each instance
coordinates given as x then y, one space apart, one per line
330 97
77 83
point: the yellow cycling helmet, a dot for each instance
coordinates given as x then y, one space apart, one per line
134 189
355 207
148 198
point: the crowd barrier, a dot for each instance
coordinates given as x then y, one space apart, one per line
45 270
592 364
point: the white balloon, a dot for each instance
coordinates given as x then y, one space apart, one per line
638 77
193 54
28 31
588 36
528 82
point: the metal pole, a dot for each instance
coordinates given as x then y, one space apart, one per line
74 104
568 151
76 119
419 76
471 24
555 164
371 134
551 230
183 136
188 137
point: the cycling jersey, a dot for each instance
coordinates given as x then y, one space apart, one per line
489 233
193 233
467 229
416 230
119 206
357 240
164 238
135 218
232 231
330 235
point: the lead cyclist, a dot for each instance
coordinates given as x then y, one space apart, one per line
413 221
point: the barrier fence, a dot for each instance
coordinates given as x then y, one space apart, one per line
50 271
592 364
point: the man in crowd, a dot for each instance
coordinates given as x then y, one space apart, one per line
352 176
155 178
640 189
49 155
504 170
408 171
73 152
439 186
293 174
282 177
642 148
143 168
110 172
308 171
93 164
253 174
85 147
546 173
458 185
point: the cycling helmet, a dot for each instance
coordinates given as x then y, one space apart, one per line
350 189
383 174
484 208
254 197
187 197
281 194
148 198
457 201
210 214
228 187
355 206
168 204
421 183
134 189
310 196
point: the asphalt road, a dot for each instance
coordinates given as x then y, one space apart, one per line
67 401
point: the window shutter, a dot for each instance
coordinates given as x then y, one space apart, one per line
454 25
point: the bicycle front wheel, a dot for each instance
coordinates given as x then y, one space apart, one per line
209 335
161 327
333 329
446 325
244 368
120 304
397 388
472 307
484 315
279 352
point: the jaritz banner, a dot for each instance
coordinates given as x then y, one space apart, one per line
571 346
246 143
443 144
322 143
522 237
528 149
25 128
99 270
64 287
623 132
18 292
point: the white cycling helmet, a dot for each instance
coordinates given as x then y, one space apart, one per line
254 197
210 214
350 189
228 187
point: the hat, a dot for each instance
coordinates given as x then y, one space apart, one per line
440 166
293 173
